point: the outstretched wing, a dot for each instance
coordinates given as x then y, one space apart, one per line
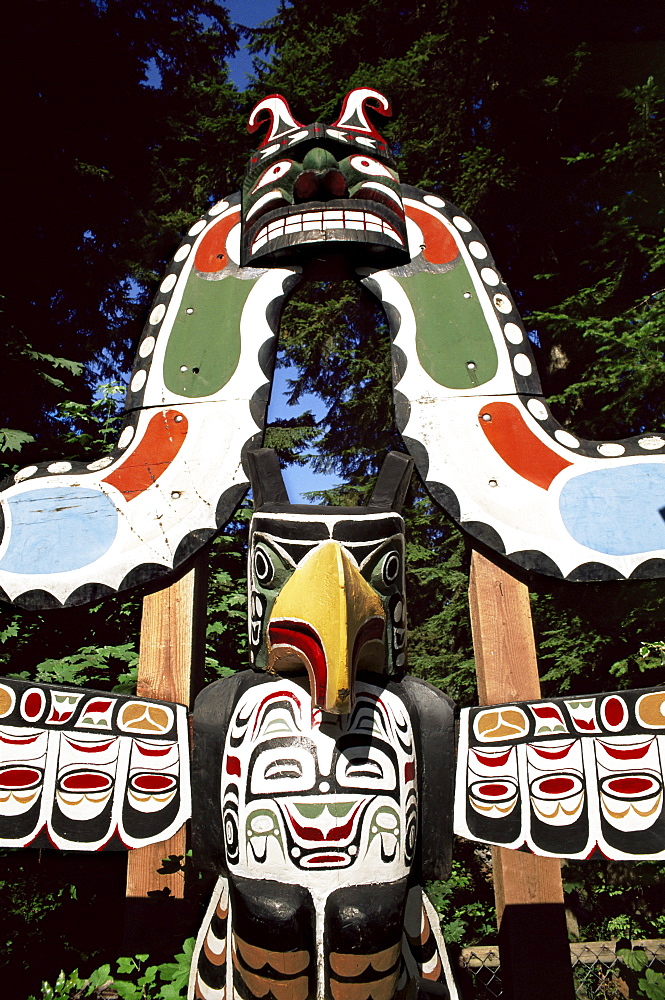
471 411
198 393
89 770
572 777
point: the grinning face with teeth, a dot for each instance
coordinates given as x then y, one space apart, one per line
326 598
320 187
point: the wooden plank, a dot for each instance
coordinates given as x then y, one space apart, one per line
170 667
527 889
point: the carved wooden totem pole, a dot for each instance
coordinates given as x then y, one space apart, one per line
322 779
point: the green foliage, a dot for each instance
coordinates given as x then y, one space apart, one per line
618 899
635 961
146 982
465 902
105 171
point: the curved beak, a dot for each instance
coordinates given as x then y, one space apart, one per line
328 618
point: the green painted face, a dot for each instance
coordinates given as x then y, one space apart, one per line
319 188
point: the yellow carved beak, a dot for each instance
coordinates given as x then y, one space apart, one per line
328 618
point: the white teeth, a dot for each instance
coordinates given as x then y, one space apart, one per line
324 221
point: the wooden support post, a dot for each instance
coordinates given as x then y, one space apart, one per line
533 941
170 661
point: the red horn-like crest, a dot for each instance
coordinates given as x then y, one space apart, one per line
275 110
353 117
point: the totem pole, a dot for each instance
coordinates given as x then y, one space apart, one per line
322 774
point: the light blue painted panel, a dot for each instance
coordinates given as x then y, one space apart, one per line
619 511
57 529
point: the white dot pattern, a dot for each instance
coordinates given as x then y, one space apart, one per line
569 440
157 314
538 409
513 333
522 365
611 450
462 224
147 347
126 437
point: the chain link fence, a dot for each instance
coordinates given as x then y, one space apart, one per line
596 969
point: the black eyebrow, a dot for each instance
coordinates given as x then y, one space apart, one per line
365 530
314 531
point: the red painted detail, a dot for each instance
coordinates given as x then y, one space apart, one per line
553 754
595 853
335 833
304 639
91 747
614 711
33 706
409 771
371 629
626 753
98 706
147 752
632 785
160 444
154 782
28 739
583 724
556 786
273 696
211 255
518 446
327 859
498 761
493 790
233 766
19 777
440 246
90 781
60 717
546 713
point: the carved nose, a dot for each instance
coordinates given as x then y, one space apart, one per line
321 178
320 185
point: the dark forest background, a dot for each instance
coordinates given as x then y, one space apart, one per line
543 120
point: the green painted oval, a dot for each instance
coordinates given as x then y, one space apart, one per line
451 330
204 346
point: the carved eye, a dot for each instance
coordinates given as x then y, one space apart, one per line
391 567
366 165
275 172
263 567
284 769
364 769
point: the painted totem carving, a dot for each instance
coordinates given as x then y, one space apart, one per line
322 777
467 397
315 774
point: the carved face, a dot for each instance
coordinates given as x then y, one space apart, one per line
303 793
315 187
326 598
